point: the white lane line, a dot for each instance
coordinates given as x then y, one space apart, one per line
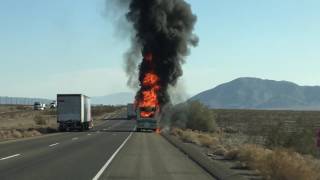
53 144
75 138
8 157
111 158
89 134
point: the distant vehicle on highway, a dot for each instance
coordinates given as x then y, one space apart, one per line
53 105
74 112
146 118
131 111
39 106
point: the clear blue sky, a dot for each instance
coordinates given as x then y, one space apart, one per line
66 46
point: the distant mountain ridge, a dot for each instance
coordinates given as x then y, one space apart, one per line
255 93
113 99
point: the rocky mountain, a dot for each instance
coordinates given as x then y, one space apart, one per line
255 93
113 99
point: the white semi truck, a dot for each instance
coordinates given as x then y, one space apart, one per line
74 112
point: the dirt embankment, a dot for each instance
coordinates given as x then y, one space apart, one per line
23 121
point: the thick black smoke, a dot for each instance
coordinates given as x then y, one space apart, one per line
165 29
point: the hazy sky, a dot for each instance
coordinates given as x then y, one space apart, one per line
67 46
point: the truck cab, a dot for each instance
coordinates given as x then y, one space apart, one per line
146 118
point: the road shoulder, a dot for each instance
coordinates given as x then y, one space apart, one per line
220 169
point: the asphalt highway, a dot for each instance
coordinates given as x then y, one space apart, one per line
109 151
71 155
148 156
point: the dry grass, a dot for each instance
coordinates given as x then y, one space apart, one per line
20 121
18 133
196 137
277 164
29 119
25 123
14 108
39 120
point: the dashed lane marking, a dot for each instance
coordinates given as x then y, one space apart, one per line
111 158
8 157
51 145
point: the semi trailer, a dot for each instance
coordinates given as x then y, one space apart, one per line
131 111
74 112
147 119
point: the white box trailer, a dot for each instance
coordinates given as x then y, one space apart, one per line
74 112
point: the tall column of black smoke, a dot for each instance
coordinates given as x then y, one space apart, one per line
164 28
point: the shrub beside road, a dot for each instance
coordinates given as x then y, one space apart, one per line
278 163
273 148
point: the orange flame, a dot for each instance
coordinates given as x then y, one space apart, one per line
146 114
151 84
150 79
